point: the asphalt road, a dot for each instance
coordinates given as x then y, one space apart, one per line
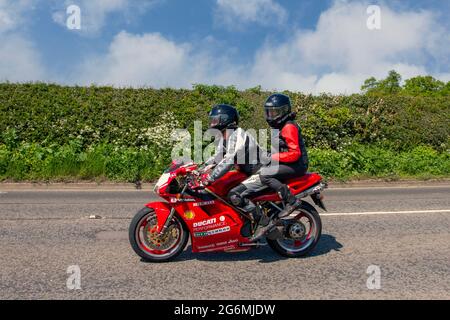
403 231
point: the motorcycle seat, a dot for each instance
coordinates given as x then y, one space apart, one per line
296 185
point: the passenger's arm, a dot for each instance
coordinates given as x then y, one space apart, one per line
290 134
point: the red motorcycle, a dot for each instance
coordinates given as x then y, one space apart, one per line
160 231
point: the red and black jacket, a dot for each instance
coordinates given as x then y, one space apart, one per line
291 145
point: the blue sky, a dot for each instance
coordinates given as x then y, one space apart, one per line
311 45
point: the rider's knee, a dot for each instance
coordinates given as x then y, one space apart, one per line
235 196
264 179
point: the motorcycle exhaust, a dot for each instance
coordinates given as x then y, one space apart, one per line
317 198
315 193
315 189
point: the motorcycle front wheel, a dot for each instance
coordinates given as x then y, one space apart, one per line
301 233
152 247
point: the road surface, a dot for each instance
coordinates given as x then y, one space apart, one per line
403 231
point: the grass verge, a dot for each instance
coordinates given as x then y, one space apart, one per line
104 162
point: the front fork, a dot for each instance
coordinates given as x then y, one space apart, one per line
170 216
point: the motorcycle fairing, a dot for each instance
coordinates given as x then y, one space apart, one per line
219 229
213 225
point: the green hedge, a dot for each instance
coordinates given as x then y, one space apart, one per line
55 132
52 114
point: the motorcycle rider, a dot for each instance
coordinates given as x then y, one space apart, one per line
290 160
236 147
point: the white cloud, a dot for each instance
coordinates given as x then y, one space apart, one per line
342 40
236 13
337 56
7 19
350 82
341 52
153 60
148 59
443 76
19 59
11 13
94 13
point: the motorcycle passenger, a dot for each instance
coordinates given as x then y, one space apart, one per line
236 147
290 160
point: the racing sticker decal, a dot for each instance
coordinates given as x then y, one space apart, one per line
211 232
204 222
179 198
204 203
220 245
175 200
209 224
189 215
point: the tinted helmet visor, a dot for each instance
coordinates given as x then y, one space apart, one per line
273 113
214 121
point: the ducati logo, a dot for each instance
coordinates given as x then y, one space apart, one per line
204 222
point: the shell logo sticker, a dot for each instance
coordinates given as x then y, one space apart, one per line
189 215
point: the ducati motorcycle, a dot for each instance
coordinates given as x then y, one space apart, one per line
161 230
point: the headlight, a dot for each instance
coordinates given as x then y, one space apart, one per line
162 181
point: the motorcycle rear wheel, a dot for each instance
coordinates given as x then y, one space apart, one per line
145 241
305 244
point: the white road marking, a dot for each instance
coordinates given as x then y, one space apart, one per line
389 187
384 212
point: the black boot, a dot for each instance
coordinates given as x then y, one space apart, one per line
264 223
291 202
261 230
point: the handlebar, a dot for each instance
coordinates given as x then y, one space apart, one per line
192 174
192 179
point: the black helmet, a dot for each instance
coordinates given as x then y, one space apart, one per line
223 116
277 109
